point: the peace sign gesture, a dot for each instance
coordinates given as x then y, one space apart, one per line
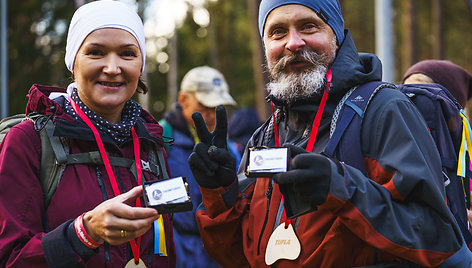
211 163
218 136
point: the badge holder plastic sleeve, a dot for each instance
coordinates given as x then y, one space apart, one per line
264 174
168 208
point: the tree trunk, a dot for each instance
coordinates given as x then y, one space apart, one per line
409 48
437 29
144 99
258 60
173 69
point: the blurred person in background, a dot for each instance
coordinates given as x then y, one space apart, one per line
446 73
201 90
242 124
453 77
94 218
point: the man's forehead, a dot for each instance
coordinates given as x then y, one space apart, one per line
328 10
291 12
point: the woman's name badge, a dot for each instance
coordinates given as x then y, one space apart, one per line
283 244
267 161
166 192
132 264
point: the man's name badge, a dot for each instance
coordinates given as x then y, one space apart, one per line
267 161
283 244
132 264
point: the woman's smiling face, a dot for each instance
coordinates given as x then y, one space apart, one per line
107 69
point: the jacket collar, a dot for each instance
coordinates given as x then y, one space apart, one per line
38 101
351 68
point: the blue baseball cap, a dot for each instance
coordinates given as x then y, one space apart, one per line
328 10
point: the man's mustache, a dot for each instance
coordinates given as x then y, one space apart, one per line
310 57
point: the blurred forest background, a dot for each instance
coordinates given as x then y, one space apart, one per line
229 41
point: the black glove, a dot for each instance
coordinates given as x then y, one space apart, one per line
211 163
306 185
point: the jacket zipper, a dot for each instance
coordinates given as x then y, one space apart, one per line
268 194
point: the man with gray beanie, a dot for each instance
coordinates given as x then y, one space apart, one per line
293 206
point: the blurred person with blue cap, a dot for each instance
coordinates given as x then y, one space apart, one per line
202 89
385 208
110 146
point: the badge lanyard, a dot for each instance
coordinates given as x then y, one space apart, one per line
314 128
134 245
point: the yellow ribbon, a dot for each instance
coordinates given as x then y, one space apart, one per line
160 242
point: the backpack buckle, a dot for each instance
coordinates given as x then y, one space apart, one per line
146 166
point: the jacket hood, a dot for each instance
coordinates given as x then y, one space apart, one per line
39 102
351 68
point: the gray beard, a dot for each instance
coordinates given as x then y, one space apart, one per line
289 87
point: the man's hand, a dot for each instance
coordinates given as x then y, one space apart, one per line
309 177
211 163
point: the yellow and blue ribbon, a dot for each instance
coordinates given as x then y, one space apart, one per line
466 146
159 237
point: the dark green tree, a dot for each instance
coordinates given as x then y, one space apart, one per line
36 47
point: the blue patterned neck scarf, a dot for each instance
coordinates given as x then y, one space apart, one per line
118 132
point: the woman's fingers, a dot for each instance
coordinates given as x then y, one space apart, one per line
130 196
107 220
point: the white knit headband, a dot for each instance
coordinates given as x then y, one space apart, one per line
102 14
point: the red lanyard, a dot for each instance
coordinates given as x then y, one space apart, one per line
134 245
314 128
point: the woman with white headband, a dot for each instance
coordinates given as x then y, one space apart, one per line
96 217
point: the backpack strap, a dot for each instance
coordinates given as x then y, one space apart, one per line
162 164
9 122
348 118
53 156
51 146
94 158
167 134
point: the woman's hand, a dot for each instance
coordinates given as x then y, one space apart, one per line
116 221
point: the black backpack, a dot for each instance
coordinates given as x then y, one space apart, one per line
446 122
